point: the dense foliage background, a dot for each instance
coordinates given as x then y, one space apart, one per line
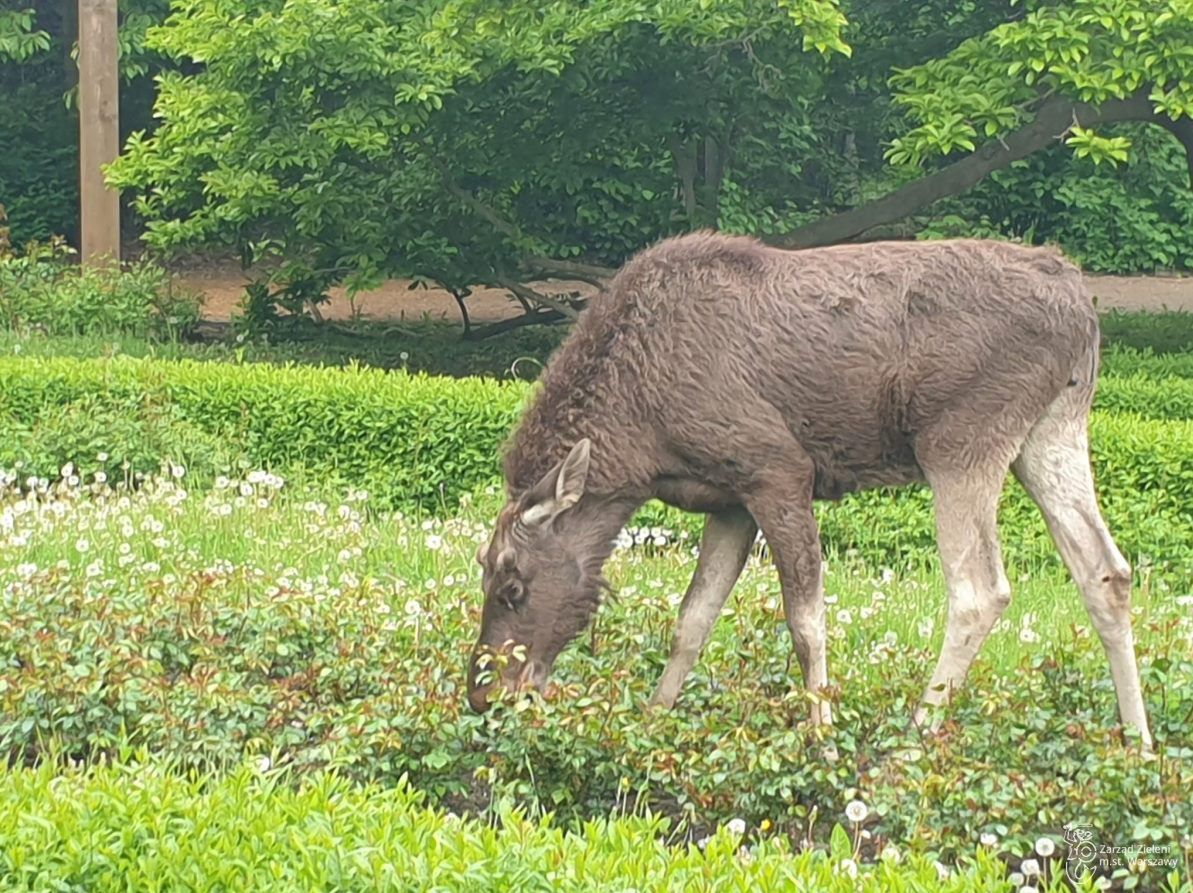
455 141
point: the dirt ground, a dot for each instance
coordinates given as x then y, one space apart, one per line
396 301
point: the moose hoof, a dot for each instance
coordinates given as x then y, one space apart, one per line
660 702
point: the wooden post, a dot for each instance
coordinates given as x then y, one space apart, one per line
99 130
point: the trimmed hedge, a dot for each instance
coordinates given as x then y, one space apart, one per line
411 440
420 442
1120 360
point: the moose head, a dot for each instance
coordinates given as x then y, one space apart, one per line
541 580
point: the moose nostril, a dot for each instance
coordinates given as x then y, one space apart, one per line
478 699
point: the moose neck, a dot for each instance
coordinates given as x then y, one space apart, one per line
580 397
594 523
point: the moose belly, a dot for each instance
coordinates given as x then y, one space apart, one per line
834 482
690 495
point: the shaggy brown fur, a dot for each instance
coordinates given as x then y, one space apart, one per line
718 374
702 342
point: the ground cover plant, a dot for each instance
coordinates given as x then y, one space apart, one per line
302 643
213 627
324 833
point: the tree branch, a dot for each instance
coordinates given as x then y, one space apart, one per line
460 295
1054 118
593 274
529 294
479 333
1182 129
499 223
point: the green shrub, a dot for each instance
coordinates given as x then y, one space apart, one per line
145 827
412 440
40 291
1124 362
1170 332
124 440
1146 396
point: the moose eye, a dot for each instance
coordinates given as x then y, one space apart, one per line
511 594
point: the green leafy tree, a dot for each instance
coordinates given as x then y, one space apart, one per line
1062 72
473 142
464 142
19 37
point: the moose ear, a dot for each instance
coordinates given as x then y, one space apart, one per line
560 488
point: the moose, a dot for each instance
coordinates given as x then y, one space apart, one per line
723 376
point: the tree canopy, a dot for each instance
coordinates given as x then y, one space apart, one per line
472 142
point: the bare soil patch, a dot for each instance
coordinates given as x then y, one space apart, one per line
222 288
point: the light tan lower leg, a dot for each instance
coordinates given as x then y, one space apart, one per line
1054 468
966 522
724 547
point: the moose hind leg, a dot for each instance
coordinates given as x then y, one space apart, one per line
966 522
724 548
1054 468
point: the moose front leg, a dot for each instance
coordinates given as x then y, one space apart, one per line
724 548
783 509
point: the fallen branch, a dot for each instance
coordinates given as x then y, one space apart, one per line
534 297
536 318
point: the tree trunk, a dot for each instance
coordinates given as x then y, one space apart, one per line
99 130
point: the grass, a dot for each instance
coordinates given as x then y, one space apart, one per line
242 623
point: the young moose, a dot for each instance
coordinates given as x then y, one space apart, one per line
725 377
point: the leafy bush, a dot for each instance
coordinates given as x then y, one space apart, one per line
41 291
123 440
262 830
1170 332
